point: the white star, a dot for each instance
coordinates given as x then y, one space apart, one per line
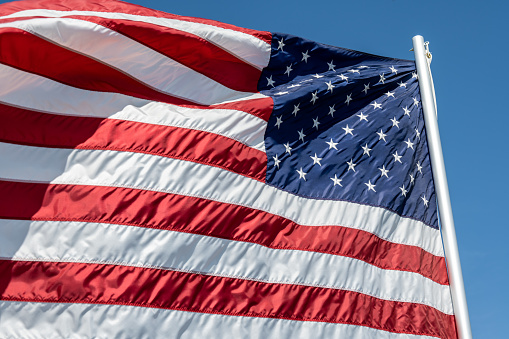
316 160
315 97
395 122
343 77
288 148
354 71
330 86
332 110
348 99
418 133
281 93
351 165
296 109
371 187
270 82
407 111
375 105
279 122
301 135
424 200
331 65
384 172
336 180
362 117
419 167
365 90
382 78
394 70
293 85
317 76
397 158
366 150
403 191
288 70
363 66
414 75
402 84
390 94
348 130
276 161
332 144
316 123
305 57
409 144
381 135
302 174
412 179
281 44
416 102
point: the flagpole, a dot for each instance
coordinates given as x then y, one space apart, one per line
444 202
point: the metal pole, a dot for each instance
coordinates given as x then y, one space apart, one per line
444 202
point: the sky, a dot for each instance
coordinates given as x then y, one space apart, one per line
469 53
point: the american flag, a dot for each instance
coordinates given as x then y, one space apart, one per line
173 177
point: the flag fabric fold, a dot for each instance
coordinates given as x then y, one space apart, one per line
172 177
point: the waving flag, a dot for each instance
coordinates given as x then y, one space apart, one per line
172 177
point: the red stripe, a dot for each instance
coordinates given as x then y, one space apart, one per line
121 7
185 48
189 50
39 129
262 108
38 56
109 284
158 210
79 71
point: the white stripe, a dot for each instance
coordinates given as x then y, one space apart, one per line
245 46
133 58
123 169
33 92
237 125
135 246
48 320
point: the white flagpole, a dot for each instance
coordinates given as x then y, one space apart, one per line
444 202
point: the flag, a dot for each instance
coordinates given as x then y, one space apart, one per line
172 177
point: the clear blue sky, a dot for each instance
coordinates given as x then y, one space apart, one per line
470 73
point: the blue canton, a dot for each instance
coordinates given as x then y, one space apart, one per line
347 126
